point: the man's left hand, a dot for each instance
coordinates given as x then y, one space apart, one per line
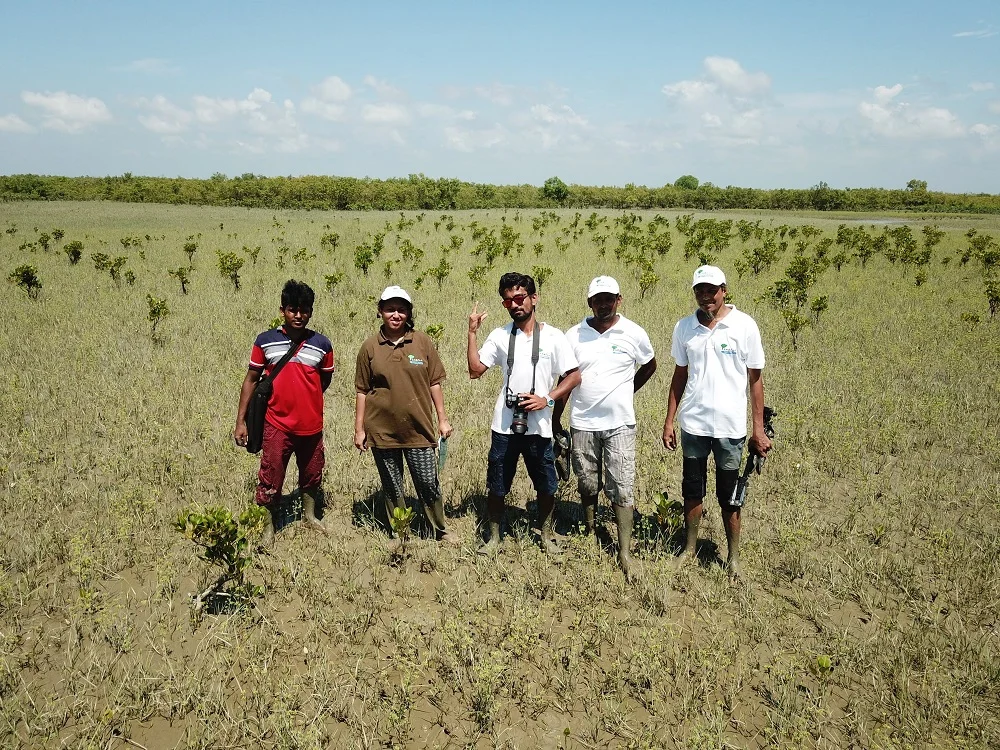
534 402
760 444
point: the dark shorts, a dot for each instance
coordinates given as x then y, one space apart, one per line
539 460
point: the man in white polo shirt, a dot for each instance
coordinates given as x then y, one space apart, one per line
719 355
609 348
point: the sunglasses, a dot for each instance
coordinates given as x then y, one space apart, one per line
517 299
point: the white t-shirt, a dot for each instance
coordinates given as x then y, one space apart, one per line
714 403
555 358
603 400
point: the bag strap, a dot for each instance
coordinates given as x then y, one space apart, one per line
292 351
535 344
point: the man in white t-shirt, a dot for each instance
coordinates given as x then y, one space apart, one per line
719 355
609 348
522 416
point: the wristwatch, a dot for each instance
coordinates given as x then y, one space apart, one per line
550 403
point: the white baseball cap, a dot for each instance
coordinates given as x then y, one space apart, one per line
708 275
394 292
603 285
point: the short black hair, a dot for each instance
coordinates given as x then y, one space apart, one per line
297 295
514 279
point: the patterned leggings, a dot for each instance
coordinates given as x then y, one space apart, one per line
423 471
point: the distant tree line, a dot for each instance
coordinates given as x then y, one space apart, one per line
419 192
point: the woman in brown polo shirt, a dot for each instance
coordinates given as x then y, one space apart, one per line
398 383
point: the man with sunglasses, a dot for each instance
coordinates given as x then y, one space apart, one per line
540 356
719 357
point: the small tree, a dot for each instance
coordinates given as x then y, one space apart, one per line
436 332
647 281
190 248
230 265
181 274
540 274
332 280
26 277
158 310
440 271
993 294
252 253
363 258
225 540
330 240
43 240
686 182
73 250
58 234
102 261
819 305
115 268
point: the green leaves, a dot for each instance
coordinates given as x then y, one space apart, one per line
26 277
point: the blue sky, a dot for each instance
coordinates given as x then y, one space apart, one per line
765 94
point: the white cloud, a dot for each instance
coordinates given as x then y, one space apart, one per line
984 32
983 130
332 89
562 114
982 86
466 140
710 120
386 113
210 110
14 124
498 93
722 77
994 106
444 112
164 117
149 65
67 112
891 118
732 78
383 88
326 110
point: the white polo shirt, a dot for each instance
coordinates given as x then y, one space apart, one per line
714 403
603 400
555 358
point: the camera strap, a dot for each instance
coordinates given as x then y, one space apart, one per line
535 343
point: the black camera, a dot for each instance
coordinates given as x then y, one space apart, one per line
519 420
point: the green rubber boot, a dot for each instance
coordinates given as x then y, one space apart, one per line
310 502
624 516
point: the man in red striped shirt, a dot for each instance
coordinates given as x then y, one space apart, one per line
294 419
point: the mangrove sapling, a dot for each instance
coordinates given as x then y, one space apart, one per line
230 265
401 520
541 274
26 277
158 310
226 544
190 248
181 274
436 332
73 251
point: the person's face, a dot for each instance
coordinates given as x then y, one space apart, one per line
710 298
296 319
519 303
604 306
395 313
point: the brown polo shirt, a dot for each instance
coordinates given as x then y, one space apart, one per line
396 380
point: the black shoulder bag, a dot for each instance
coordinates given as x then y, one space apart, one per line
257 407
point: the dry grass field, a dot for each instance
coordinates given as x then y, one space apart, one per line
867 615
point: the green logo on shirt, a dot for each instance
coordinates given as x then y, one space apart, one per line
414 360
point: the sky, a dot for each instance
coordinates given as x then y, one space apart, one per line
766 94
